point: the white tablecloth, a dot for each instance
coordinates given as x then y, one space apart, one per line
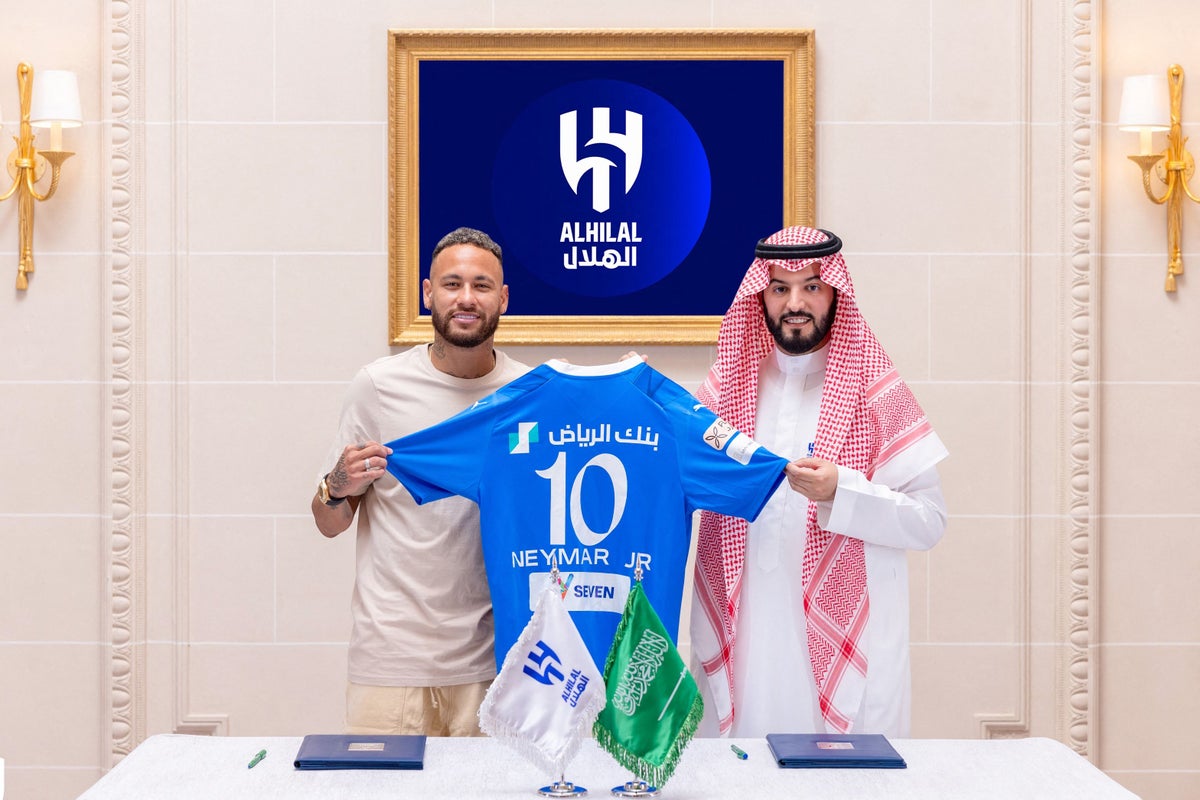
205 768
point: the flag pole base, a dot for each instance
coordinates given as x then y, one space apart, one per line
636 788
562 789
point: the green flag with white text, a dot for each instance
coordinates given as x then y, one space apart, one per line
653 703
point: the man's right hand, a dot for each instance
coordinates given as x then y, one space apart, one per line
357 468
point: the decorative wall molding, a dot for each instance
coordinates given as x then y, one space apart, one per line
1082 227
1016 723
183 719
126 241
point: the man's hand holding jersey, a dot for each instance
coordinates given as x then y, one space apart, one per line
358 467
814 478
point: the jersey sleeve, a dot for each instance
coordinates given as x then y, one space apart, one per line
721 468
446 459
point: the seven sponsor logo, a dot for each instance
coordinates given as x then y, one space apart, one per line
585 591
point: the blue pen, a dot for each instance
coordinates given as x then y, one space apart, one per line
739 752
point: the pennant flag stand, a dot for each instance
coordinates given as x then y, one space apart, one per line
636 788
562 788
654 705
548 692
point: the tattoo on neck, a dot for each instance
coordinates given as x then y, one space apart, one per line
439 349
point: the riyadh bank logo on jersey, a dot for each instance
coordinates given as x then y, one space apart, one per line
601 188
527 433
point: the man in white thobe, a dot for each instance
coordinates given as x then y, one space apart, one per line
800 623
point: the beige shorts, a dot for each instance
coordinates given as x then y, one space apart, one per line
431 710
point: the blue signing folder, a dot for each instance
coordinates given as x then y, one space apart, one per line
844 750
335 751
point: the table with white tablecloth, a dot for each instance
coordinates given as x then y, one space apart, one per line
203 767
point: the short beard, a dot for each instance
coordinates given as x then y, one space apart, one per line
797 344
465 339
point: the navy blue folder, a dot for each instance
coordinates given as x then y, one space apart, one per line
335 751
844 750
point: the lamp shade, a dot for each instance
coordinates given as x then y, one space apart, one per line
1145 103
55 99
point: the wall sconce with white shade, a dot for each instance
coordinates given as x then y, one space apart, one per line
1149 104
53 104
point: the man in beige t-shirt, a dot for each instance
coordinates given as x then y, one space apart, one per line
421 654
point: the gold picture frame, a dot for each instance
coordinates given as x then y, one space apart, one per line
409 49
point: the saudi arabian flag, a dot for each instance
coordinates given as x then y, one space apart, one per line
653 703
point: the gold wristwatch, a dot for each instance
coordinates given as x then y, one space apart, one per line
323 493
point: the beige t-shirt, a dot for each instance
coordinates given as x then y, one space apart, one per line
422 614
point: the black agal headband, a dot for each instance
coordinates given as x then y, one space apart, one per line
798 252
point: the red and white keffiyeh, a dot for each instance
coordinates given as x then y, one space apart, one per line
868 416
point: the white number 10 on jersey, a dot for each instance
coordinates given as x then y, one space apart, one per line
556 473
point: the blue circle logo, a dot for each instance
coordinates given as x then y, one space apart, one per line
601 188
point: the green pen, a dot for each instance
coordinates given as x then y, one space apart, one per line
739 752
259 756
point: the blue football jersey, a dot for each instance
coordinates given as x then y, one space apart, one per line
597 470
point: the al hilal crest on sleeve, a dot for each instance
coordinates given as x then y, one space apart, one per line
654 705
549 690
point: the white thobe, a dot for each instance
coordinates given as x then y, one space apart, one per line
774 689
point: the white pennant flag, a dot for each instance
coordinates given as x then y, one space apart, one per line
549 690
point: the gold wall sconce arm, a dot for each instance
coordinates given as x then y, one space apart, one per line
1142 110
56 108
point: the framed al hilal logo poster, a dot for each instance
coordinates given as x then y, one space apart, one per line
626 174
